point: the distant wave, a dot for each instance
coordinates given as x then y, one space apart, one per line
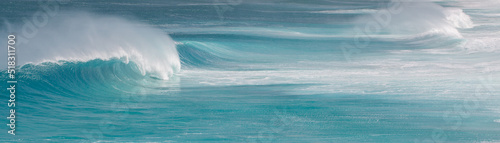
418 20
197 54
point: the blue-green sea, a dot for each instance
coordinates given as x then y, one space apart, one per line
254 71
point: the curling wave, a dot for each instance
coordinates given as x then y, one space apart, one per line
83 37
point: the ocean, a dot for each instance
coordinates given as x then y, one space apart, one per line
251 71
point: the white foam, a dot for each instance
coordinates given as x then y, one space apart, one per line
457 18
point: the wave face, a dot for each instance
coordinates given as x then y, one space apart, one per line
257 71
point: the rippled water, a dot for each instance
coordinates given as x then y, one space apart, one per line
255 71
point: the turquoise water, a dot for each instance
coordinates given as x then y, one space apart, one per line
254 71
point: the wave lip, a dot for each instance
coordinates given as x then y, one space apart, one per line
84 37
